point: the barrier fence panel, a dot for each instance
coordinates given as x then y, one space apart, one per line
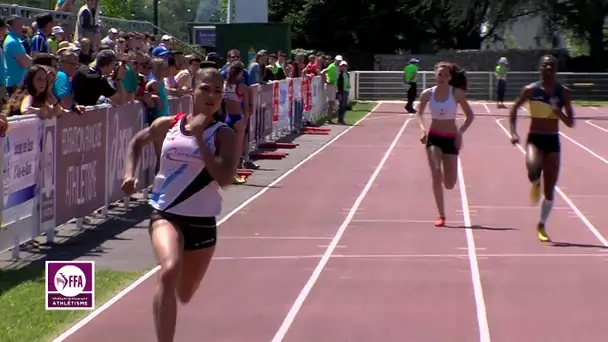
65 168
80 164
389 85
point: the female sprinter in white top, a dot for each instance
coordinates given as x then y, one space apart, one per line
198 156
444 138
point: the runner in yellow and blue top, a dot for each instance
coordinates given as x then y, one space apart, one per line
409 77
501 84
546 99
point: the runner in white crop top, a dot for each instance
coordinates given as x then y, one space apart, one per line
198 156
444 137
445 110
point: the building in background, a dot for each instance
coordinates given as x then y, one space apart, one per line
527 33
250 11
206 10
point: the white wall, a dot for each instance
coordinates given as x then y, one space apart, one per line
251 11
526 33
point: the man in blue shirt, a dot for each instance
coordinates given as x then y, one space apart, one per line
16 60
39 43
235 55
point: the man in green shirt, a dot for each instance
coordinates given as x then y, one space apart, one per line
409 77
131 81
331 85
501 85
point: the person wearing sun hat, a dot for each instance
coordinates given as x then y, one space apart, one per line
502 68
57 36
409 77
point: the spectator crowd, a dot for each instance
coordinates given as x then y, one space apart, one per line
49 72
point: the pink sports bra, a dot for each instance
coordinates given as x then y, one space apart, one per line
445 110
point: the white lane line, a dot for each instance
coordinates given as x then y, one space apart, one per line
600 253
588 150
295 308
482 317
276 237
597 126
139 281
487 108
566 199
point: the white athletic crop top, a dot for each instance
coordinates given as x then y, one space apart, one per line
445 110
230 92
183 186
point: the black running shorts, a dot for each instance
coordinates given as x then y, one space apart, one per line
197 232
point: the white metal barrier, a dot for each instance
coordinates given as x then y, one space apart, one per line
389 85
66 168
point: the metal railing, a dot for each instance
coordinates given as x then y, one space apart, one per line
52 176
67 20
389 85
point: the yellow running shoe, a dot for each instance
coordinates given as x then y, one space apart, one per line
535 194
542 234
239 180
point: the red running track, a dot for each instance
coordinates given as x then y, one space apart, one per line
362 261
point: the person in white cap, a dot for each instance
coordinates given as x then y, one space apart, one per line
501 85
343 89
110 39
331 85
163 47
409 77
56 37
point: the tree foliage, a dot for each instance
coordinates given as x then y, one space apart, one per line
393 26
399 25
585 19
